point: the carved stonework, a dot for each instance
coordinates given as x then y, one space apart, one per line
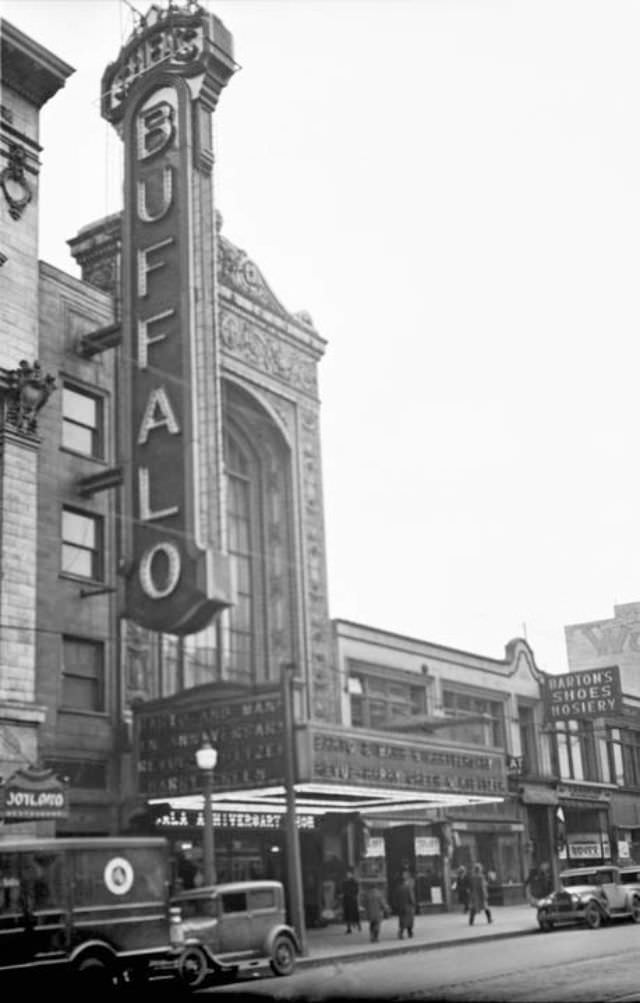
13 182
237 271
266 353
27 391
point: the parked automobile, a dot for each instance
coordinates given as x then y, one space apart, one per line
227 929
630 875
593 896
93 909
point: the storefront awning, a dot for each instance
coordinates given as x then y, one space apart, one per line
538 795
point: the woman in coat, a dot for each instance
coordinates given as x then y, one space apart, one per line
479 895
350 906
376 906
406 905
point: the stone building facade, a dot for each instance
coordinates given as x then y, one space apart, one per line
31 76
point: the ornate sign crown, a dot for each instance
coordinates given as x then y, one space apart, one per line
185 39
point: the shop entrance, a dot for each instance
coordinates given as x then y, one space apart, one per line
399 854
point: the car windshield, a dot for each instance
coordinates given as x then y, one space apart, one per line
571 880
630 877
199 907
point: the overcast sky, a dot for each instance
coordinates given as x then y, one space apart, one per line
452 190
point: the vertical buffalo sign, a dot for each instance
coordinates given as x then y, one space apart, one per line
166 588
160 93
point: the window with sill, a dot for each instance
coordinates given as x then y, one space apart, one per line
82 422
574 751
623 756
377 702
82 675
486 724
528 738
81 544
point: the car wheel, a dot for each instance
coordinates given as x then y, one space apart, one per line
283 955
545 924
95 974
193 967
635 910
593 916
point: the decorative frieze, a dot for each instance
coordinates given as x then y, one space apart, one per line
266 353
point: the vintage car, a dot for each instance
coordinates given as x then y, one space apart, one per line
228 929
593 896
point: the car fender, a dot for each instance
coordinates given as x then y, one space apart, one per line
97 948
601 901
275 931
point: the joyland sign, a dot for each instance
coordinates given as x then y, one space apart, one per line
169 571
587 694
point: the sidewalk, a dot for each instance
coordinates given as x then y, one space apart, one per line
331 943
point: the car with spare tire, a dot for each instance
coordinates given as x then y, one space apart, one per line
591 896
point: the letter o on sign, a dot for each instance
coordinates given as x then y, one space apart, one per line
150 584
118 876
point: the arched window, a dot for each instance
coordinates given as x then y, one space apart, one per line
259 627
244 545
250 641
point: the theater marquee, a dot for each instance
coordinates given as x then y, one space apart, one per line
345 757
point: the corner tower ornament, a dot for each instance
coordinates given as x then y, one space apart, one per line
27 390
160 94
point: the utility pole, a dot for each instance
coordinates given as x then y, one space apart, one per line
294 867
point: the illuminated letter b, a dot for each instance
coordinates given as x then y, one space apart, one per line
155 129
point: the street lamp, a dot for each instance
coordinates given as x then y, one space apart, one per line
206 758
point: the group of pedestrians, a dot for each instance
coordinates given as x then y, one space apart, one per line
376 907
473 892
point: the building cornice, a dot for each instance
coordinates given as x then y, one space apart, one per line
29 69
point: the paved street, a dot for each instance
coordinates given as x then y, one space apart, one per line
572 964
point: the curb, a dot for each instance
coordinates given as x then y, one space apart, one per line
406 948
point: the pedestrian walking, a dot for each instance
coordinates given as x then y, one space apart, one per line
350 907
479 899
376 907
463 887
406 905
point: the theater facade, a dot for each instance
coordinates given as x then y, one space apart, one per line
162 549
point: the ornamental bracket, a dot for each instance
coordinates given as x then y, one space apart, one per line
15 187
